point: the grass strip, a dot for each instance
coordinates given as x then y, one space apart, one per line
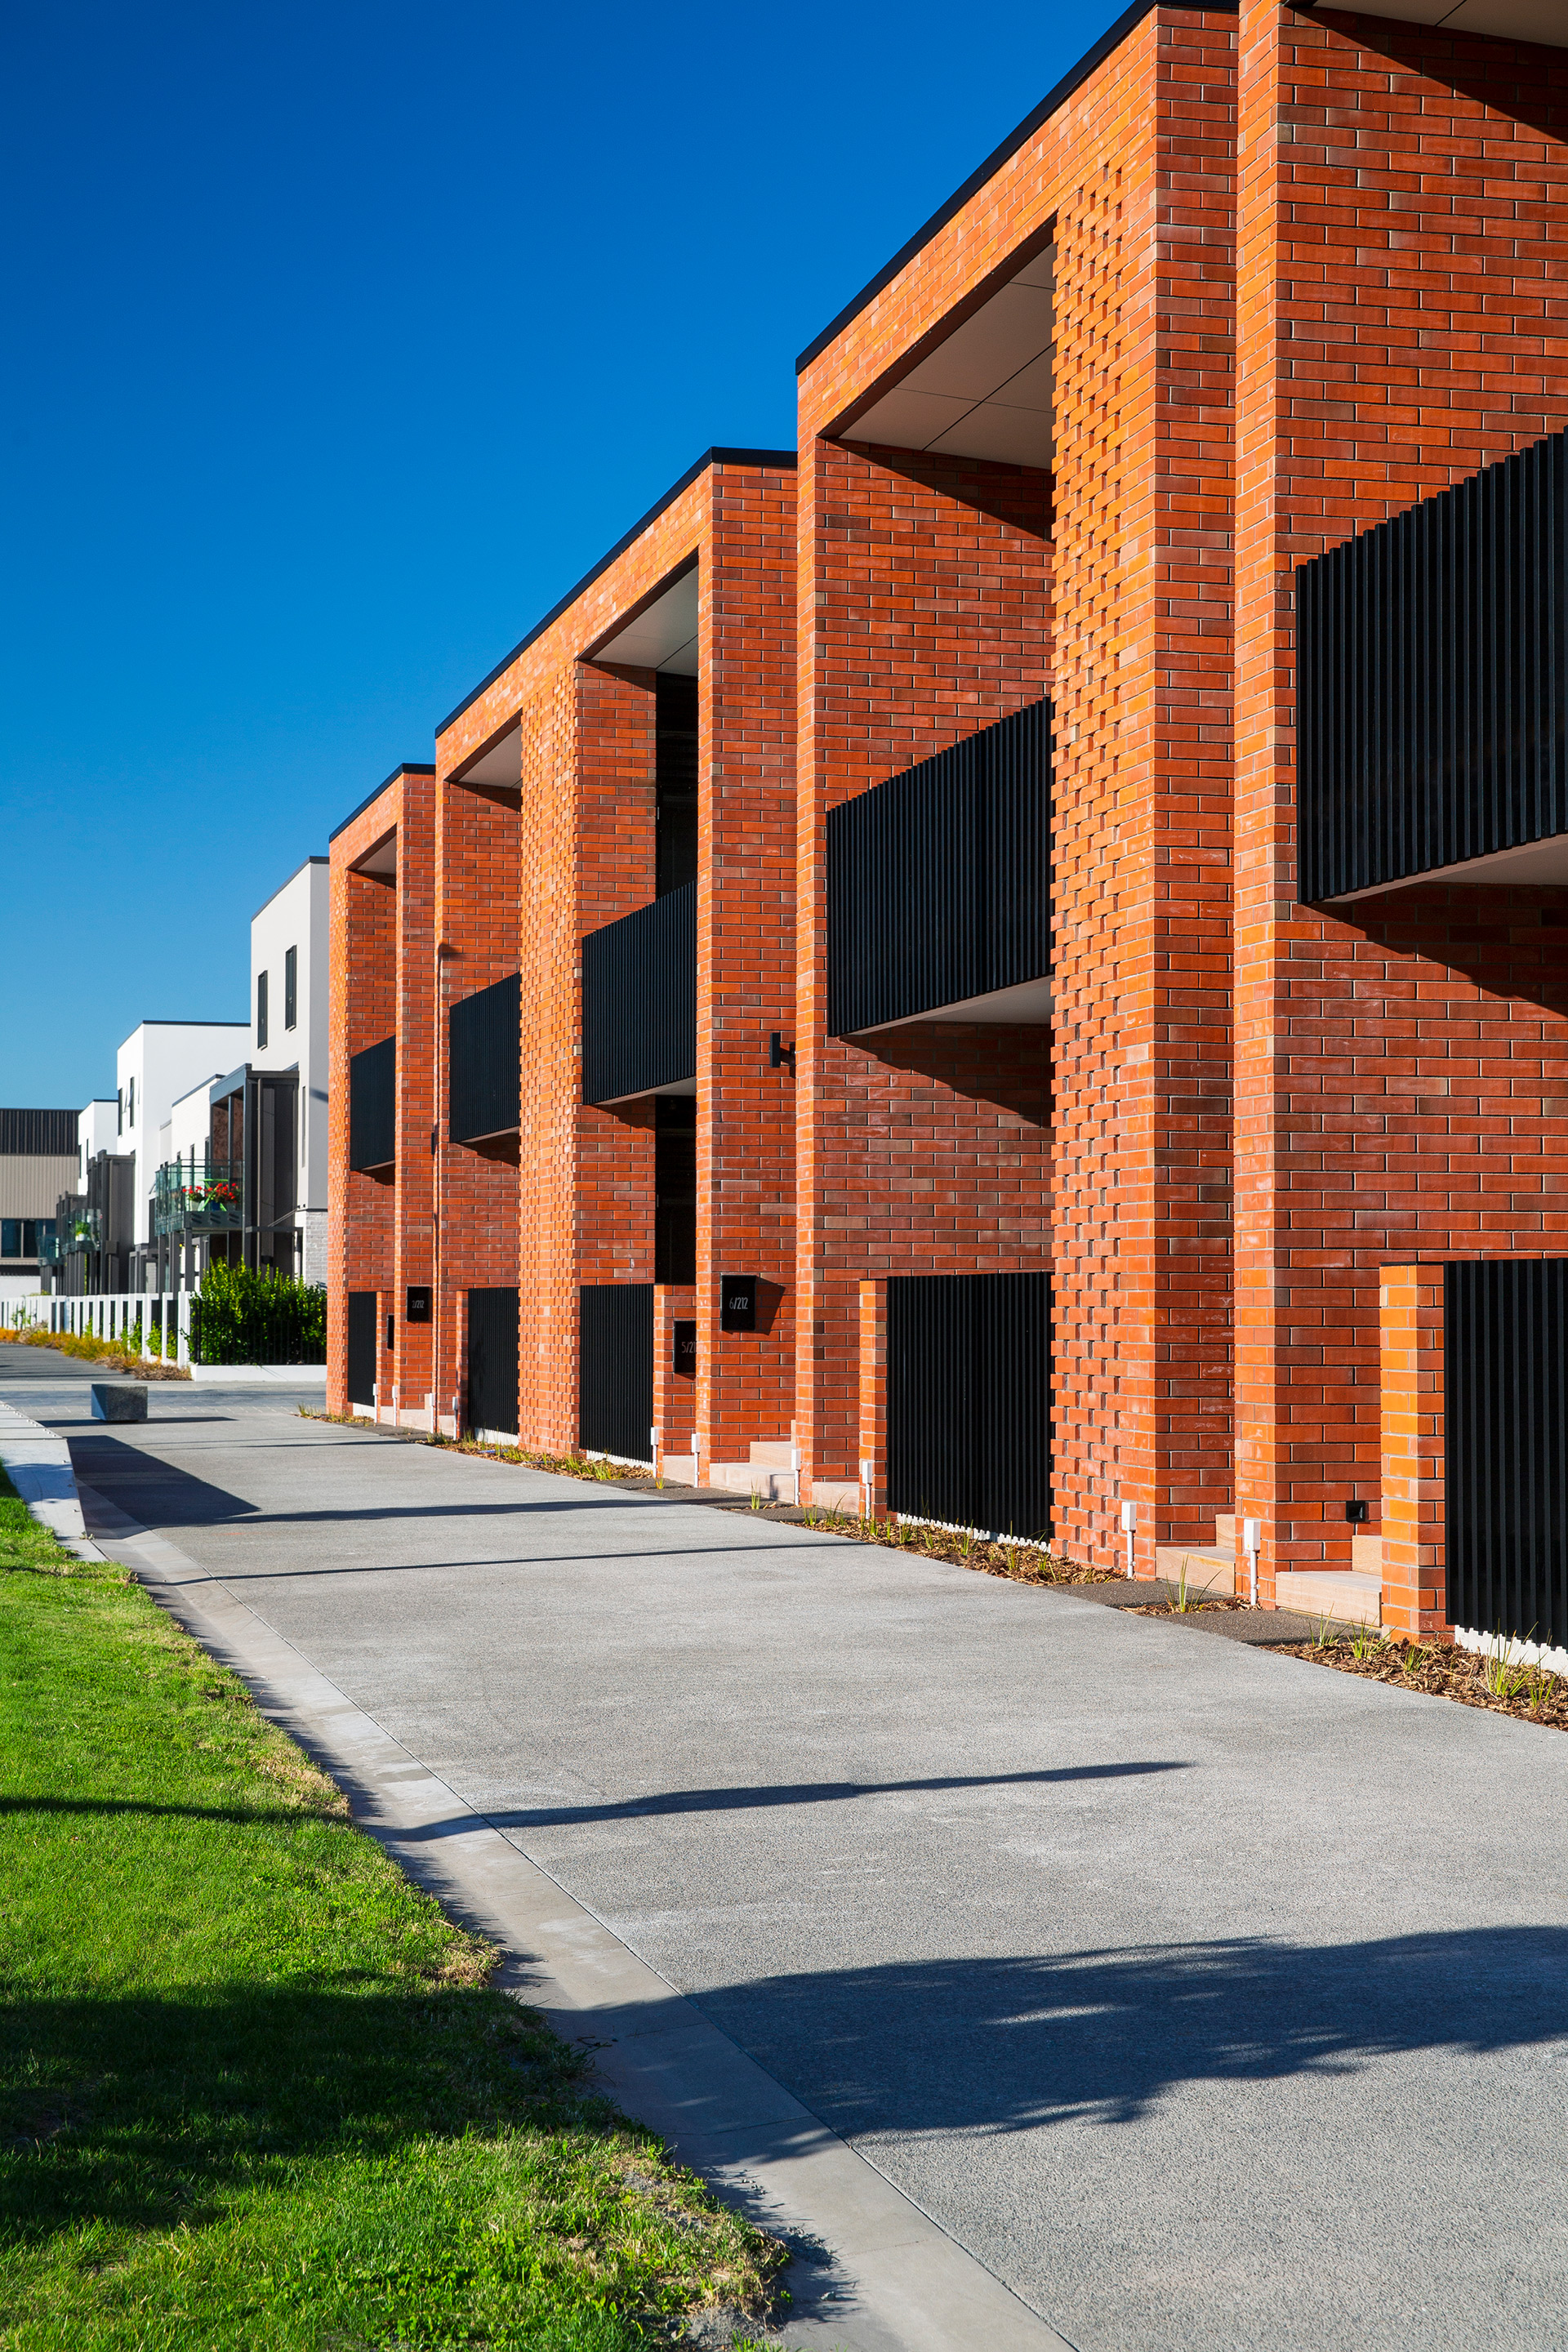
255 2088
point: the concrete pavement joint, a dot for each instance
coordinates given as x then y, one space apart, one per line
902 2284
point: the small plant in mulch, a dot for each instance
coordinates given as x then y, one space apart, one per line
1024 1560
563 1465
1495 1678
1190 1594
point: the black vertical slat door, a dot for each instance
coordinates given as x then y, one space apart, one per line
493 1360
362 1347
614 1370
969 1399
1505 1444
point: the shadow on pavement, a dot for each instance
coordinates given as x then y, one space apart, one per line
1002 2045
748 1799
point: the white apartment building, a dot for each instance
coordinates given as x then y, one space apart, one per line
158 1063
289 952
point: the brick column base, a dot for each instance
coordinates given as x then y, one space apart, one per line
1411 1348
674 1393
873 1442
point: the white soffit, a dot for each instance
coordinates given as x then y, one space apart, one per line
985 391
501 764
1505 20
664 635
1027 1005
381 860
1534 862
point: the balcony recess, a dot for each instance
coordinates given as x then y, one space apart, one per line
640 1002
938 886
1432 689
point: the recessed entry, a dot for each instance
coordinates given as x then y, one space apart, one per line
662 634
985 391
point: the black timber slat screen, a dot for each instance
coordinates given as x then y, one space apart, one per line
939 880
362 1347
639 1000
615 1376
484 1084
493 1360
969 1399
1432 681
1505 1444
373 1097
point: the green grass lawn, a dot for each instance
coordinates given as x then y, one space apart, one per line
255 2089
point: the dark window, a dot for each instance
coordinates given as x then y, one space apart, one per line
484 1034
373 1105
260 1011
675 1188
19 1235
290 987
674 782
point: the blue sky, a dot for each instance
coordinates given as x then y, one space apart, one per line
342 340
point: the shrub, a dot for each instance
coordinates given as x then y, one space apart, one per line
248 1315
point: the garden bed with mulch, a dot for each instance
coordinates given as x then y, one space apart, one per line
104 1353
1528 1693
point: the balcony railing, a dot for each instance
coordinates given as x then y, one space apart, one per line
484 1049
373 1105
639 1000
199 1194
1432 683
939 880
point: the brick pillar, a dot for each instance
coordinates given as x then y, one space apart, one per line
1411 1354
674 1391
874 1392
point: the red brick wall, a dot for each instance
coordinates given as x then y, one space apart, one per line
476 912
924 619
1411 1444
1127 623
586 856
1400 325
378 987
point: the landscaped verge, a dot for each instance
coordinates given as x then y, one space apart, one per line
115 1356
1493 1681
1024 1562
255 2088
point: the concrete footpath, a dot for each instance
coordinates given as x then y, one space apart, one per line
1093 1975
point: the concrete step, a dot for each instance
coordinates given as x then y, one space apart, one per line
773 1453
1206 1568
1342 1593
1224 1531
681 1468
773 1484
1366 1556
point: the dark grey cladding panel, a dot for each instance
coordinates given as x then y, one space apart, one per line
484 1084
37 1134
639 1000
1432 681
939 880
615 1369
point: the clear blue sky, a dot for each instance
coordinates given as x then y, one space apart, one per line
344 340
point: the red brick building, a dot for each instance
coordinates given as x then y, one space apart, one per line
1077 1159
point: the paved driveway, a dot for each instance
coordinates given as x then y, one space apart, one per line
1211 1998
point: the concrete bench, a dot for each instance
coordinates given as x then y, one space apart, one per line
119 1400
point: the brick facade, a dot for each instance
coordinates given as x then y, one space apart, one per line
1304 273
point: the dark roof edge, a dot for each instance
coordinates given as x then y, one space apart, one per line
759 457
405 768
1073 79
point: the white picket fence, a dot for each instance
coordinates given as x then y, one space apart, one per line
130 1316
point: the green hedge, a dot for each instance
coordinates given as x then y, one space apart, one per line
247 1314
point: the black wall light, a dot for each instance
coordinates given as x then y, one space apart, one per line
780 1055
